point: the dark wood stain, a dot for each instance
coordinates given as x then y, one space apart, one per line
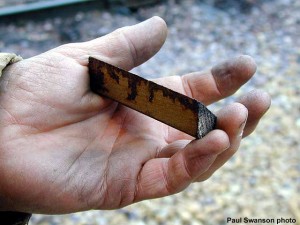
132 84
135 80
96 77
114 75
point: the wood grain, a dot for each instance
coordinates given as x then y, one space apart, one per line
161 103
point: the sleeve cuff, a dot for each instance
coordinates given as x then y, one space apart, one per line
14 218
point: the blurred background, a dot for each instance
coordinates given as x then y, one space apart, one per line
263 179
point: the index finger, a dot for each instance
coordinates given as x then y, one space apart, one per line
221 81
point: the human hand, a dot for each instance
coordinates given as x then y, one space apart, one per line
65 149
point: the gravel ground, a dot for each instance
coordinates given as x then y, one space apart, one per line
263 179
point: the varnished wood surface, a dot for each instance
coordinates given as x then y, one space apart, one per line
170 107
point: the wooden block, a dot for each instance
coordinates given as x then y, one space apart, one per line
161 103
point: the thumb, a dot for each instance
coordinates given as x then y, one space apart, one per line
126 47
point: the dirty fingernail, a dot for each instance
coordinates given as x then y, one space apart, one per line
241 128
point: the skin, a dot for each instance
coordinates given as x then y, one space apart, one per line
64 149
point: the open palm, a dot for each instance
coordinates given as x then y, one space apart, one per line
64 149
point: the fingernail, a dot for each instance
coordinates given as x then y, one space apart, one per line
241 128
228 146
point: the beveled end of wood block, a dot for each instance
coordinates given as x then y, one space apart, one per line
207 121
